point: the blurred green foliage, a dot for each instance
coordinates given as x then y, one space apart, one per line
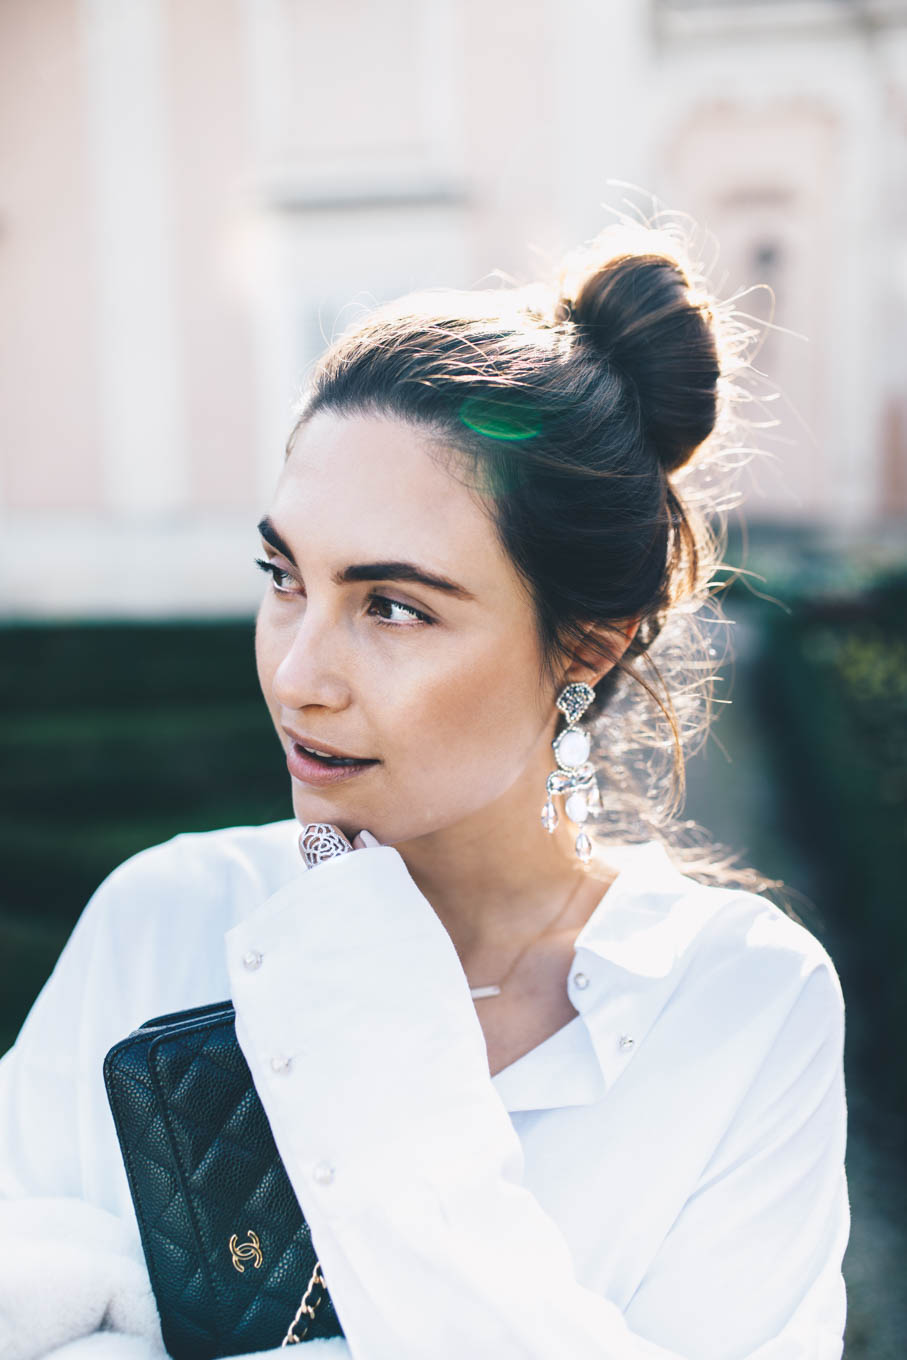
114 737
833 686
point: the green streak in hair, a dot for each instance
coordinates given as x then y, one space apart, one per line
500 417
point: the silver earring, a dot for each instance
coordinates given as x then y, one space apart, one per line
574 776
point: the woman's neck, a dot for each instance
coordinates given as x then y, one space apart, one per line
496 877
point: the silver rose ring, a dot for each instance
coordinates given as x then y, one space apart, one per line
319 841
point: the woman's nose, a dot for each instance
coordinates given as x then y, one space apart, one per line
314 669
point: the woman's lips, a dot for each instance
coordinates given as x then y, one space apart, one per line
308 770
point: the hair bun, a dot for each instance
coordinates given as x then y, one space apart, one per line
639 312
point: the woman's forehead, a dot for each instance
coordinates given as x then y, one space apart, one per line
366 447
369 486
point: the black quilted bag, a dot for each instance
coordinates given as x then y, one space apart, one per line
229 1253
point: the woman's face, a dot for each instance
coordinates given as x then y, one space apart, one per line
439 687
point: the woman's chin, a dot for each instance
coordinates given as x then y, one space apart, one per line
307 809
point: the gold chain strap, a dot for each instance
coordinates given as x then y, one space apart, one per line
317 1278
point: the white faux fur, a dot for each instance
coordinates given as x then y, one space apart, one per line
74 1286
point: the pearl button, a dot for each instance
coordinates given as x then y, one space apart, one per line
580 980
252 960
626 1041
280 1064
323 1173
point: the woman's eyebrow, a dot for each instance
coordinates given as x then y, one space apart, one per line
372 571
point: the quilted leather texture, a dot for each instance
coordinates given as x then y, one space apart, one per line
203 1168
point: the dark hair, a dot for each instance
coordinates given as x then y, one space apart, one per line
570 407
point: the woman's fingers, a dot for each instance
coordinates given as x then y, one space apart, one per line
364 840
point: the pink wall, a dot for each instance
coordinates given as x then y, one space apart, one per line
50 451
207 99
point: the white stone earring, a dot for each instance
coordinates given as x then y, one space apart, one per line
575 776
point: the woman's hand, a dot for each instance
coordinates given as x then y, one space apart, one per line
365 840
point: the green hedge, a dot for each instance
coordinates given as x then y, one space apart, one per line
834 688
114 737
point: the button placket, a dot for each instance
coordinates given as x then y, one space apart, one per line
280 1063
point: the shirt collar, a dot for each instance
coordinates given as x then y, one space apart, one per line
641 925
622 975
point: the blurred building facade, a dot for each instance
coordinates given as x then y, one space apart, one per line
195 195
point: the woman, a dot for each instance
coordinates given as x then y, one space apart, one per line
539 1092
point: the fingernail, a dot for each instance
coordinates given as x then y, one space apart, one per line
368 839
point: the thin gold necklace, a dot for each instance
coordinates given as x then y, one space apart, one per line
494 988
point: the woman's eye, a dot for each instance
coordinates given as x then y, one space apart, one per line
407 611
276 573
406 614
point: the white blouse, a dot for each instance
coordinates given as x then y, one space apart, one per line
663 1178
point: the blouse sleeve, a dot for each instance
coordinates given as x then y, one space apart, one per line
354 1015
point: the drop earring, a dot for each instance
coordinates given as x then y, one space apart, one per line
574 776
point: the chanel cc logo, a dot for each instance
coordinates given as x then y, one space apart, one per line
246 1251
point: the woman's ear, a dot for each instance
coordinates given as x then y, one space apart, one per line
601 648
